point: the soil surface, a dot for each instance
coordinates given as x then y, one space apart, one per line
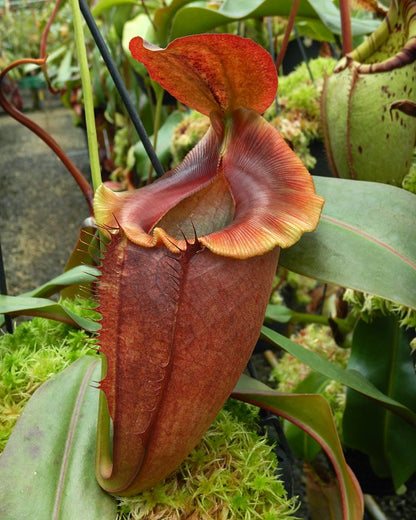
41 207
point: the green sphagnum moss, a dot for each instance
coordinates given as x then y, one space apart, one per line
231 474
368 306
187 134
37 350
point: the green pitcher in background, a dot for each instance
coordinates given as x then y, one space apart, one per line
368 104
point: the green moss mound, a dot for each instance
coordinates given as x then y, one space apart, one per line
37 350
231 474
299 117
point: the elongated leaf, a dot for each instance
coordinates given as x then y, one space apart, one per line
366 240
310 412
380 351
81 274
47 467
300 442
65 69
194 19
78 274
26 306
87 252
348 377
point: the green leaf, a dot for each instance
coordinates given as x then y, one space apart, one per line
164 139
138 26
86 253
185 20
348 377
312 414
196 20
78 274
65 69
366 240
26 306
300 442
279 313
330 15
380 351
47 467
103 5
81 274
163 19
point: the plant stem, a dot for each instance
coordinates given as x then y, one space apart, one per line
286 37
158 115
43 44
47 29
303 52
118 82
87 95
146 10
344 8
271 358
344 326
373 508
304 317
159 92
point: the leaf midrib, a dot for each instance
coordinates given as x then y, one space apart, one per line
373 239
69 445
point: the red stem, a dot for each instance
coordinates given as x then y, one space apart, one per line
83 184
286 37
47 28
344 8
43 46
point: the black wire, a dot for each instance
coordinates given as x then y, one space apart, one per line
302 51
3 290
118 82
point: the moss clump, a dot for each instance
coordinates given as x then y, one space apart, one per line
231 474
187 134
302 287
298 92
367 306
299 116
121 146
37 350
